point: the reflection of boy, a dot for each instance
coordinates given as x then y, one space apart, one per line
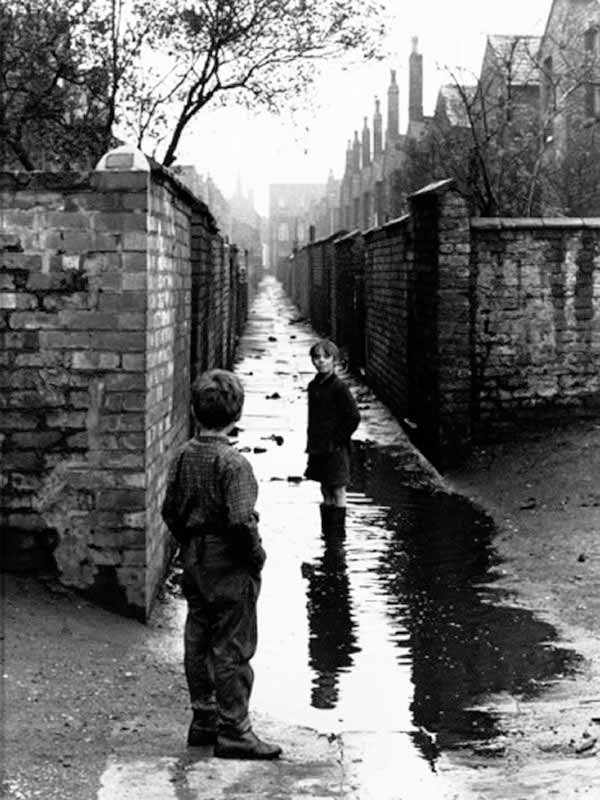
209 508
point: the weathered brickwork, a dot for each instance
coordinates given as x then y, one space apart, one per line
348 307
452 334
106 283
167 368
298 280
469 327
388 258
322 295
536 320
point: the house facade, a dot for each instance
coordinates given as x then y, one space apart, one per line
569 58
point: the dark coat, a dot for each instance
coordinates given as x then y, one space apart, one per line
332 414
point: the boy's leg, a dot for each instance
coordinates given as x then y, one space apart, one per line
338 518
326 508
200 680
234 637
339 496
197 655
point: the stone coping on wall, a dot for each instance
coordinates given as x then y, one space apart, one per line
508 223
387 226
349 236
432 188
331 238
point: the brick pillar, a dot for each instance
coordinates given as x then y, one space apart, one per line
440 334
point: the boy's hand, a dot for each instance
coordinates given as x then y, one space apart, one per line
257 559
246 543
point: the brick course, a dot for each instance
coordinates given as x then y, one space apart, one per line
114 289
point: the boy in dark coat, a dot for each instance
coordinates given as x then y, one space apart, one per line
209 508
332 419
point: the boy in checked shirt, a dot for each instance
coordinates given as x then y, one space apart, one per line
209 508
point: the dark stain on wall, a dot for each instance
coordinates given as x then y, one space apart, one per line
584 290
555 255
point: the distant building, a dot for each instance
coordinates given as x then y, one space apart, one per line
290 217
569 58
451 106
236 218
367 196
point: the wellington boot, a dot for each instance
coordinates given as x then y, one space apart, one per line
326 517
245 746
337 527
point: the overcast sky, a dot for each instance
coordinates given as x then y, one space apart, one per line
265 149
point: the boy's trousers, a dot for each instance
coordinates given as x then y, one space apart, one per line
220 637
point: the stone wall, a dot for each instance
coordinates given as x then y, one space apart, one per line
472 327
107 279
536 320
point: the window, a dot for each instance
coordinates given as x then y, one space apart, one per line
548 84
592 100
592 41
282 232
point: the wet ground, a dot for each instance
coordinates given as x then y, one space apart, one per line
396 665
399 630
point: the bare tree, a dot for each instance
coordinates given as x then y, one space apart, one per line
253 52
73 73
504 139
62 66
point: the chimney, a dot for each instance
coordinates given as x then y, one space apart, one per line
349 156
356 153
377 130
366 144
415 84
393 122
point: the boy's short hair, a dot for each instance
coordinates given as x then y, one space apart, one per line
217 398
327 347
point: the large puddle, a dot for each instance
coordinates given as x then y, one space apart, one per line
400 627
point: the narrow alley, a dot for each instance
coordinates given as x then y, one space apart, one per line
389 669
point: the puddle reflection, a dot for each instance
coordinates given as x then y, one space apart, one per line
434 574
332 637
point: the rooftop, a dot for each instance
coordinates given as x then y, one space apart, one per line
517 54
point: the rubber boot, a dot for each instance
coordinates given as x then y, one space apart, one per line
326 517
338 522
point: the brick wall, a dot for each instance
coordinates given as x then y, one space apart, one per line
347 305
388 257
445 317
473 327
536 320
107 279
167 369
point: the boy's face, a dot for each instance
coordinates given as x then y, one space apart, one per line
323 363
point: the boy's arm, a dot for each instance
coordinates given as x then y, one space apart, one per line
241 492
348 414
171 507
